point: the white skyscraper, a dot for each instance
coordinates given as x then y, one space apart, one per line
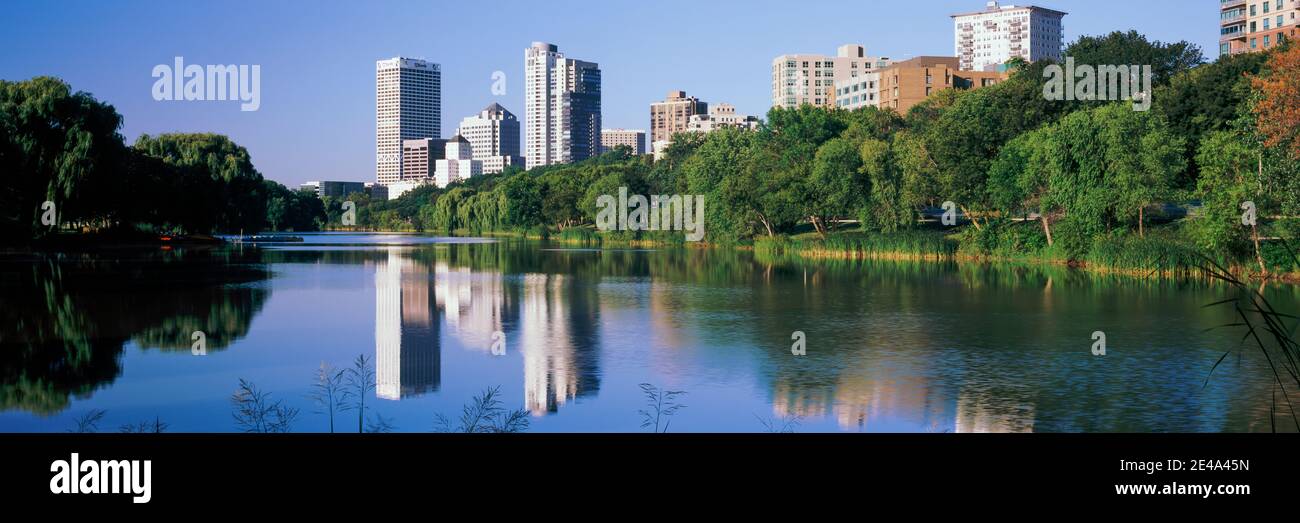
493 135
989 38
408 105
562 109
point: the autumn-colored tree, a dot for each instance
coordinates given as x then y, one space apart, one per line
1278 110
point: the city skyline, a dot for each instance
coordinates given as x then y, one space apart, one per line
323 127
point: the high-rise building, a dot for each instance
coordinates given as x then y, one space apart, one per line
671 115
985 40
799 79
1256 25
910 82
633 139
418 157
493 135
562 107
459 163
408 105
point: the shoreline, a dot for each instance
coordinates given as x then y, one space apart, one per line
779 247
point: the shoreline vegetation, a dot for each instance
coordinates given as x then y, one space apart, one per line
1209 175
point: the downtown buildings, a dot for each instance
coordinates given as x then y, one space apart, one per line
799 79
985 40
493 136
408 106
1255 25
562 107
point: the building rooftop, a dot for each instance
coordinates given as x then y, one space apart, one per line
993 7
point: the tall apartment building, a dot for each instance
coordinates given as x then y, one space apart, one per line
493 135
418 157
671 115
459 163
799 79
908 83
408 105
1256 25
562 107
633 139
987 39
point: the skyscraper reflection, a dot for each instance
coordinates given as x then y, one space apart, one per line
474 304
407 353
559 340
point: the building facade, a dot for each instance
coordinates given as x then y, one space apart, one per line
562 107
720 116
671 115
1256 25
493 135
418 157
333 189
910 82
985 40
632 138
809 79
408 105
459 163
855 93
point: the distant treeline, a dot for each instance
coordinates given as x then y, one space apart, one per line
1067 180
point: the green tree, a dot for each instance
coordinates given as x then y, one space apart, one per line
837 188
1229 179
63 147
1133 48
219 181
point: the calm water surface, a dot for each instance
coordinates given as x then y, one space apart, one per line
916 347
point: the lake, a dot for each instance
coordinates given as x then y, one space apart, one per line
889 346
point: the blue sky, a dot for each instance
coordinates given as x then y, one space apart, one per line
316 119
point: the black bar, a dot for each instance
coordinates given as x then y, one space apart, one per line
414 470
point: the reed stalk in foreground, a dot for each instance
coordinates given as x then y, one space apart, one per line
1266 329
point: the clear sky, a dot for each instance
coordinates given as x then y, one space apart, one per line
316 119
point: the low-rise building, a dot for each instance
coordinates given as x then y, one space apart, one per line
632 138
333 189
395 190
720 116
459 163
905 84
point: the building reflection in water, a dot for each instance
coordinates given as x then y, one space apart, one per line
474 304
407 353
551 319
867 399
558 335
